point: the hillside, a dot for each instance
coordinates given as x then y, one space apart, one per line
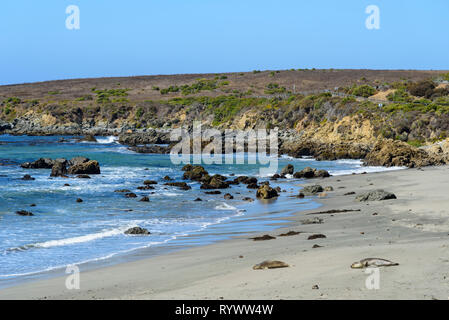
353 107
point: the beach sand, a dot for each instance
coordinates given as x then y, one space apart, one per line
412 230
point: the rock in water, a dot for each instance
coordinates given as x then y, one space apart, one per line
312 190
270 265
137 230
228 196
180 185
59 169
145 199
266 192
27 177
309 173
376 195
24 213
79 200
88 138
42 163
89 167
130 195
288 169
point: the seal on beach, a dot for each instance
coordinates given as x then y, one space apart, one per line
270 265
373 262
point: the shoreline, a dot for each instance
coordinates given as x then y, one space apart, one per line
416 239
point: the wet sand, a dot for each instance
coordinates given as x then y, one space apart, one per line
412 230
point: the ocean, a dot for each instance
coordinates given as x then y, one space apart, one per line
64 232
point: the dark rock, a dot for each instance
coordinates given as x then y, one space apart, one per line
266 192
215 182
349 193
288 169
263 238
213 192
248 199
77 160
228 196
87 138
300 195
290 233
42 163
150 149
180 185
79 200
138 231
83 176
316 236
309 173
66 185
27 177
147 187
122 191
145 199
315 246
24 213
89 167
130 195
59 169
167 178
148 182
198 199
195 173
376 195
32 205
252 186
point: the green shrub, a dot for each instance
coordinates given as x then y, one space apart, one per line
399 95
363 91
274 88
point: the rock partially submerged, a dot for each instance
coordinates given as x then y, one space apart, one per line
266 192
288 169
27 177
180 185
89 167
137 231
24 213
270 265
376 195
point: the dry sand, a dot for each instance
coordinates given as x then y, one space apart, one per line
412 230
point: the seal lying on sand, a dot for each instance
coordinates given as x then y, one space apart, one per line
270 265
373 262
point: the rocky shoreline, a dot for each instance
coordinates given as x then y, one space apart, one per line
382 152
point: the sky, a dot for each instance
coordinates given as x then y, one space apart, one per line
147 37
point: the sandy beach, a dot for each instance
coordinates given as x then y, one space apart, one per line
412 230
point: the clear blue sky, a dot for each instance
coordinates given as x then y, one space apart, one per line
140 37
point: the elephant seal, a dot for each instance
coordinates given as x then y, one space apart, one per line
373 262
270 265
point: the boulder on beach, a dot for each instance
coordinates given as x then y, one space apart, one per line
89 167
376 195
266 192
137 231
309 173
316 236
312 190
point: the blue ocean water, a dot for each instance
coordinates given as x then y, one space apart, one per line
64 232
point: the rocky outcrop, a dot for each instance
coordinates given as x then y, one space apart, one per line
150 149
89 167
42 163
150 136
195 173
388 153
215 182
266 192
376 195
88 138
180 185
